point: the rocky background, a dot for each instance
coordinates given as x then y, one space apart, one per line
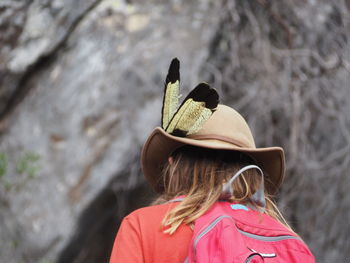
81 87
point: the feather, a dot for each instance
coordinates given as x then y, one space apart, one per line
196 108
171 92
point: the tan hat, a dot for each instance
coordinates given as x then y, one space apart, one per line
226 129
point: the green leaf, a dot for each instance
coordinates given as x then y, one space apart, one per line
28 164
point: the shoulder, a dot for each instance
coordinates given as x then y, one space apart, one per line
154 212
147 221
144 227
150 215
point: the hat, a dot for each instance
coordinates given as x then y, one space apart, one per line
201 122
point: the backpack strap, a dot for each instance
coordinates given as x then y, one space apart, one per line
177 199
258 197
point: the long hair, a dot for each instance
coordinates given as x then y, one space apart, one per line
198 174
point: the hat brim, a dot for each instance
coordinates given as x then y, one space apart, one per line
161 144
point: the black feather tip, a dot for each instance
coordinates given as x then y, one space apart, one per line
173 72
203 92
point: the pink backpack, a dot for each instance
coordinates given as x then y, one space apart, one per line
234 233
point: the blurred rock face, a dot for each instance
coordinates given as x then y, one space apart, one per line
81 89
286 67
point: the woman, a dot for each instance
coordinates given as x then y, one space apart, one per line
191 168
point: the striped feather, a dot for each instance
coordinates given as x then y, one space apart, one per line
196 108
171 92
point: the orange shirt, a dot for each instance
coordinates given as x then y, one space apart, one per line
140 238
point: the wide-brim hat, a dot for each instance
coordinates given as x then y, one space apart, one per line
226 129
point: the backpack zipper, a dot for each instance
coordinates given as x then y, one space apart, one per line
266 238
251 257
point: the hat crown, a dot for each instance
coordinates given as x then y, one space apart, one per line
226 124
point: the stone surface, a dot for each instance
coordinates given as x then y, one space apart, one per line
31 32
81 86
87 111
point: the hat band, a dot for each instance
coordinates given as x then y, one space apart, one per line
218 137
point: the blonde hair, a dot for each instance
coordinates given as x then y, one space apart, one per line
198 174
